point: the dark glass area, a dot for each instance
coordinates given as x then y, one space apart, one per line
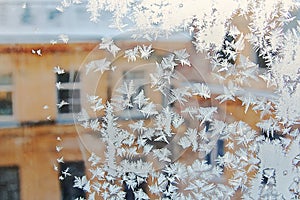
6 103
68 77
222 56
68 192
72 97
9 183
262 63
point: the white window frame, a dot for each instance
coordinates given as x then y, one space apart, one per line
69 117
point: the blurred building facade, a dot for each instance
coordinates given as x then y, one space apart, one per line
32 121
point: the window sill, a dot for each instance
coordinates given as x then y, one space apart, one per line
9 124
69 118
131 115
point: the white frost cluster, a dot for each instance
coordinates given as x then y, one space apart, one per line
144 155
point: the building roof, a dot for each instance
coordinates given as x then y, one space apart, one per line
39 21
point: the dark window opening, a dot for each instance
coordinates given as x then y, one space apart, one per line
27 16
262 63
217 151
226 54
72 97
6 103
68 77
9 183
263 58
268 176
130 191
69 92
68 192
272 136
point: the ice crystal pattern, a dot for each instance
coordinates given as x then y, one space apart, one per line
144 158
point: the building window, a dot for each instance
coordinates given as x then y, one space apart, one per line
75 168
6 102
261 61
3 13
129 191
9 183
27 16
268 177
138 78
68 91
272 135
53 14
227 54
217 151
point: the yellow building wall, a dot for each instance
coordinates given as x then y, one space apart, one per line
32 146
32 149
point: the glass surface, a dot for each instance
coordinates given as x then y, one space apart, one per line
6 103
68 192
9 183
211 123
72 96
6 79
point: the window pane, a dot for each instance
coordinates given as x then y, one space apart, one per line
262 63
64 109
220 147
6 103
76 108
63 78
72 97
208 158
63 95
6 79
68 77
68 192
9 183
76 77
75 94
223 55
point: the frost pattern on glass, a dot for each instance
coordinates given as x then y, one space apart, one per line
143 156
